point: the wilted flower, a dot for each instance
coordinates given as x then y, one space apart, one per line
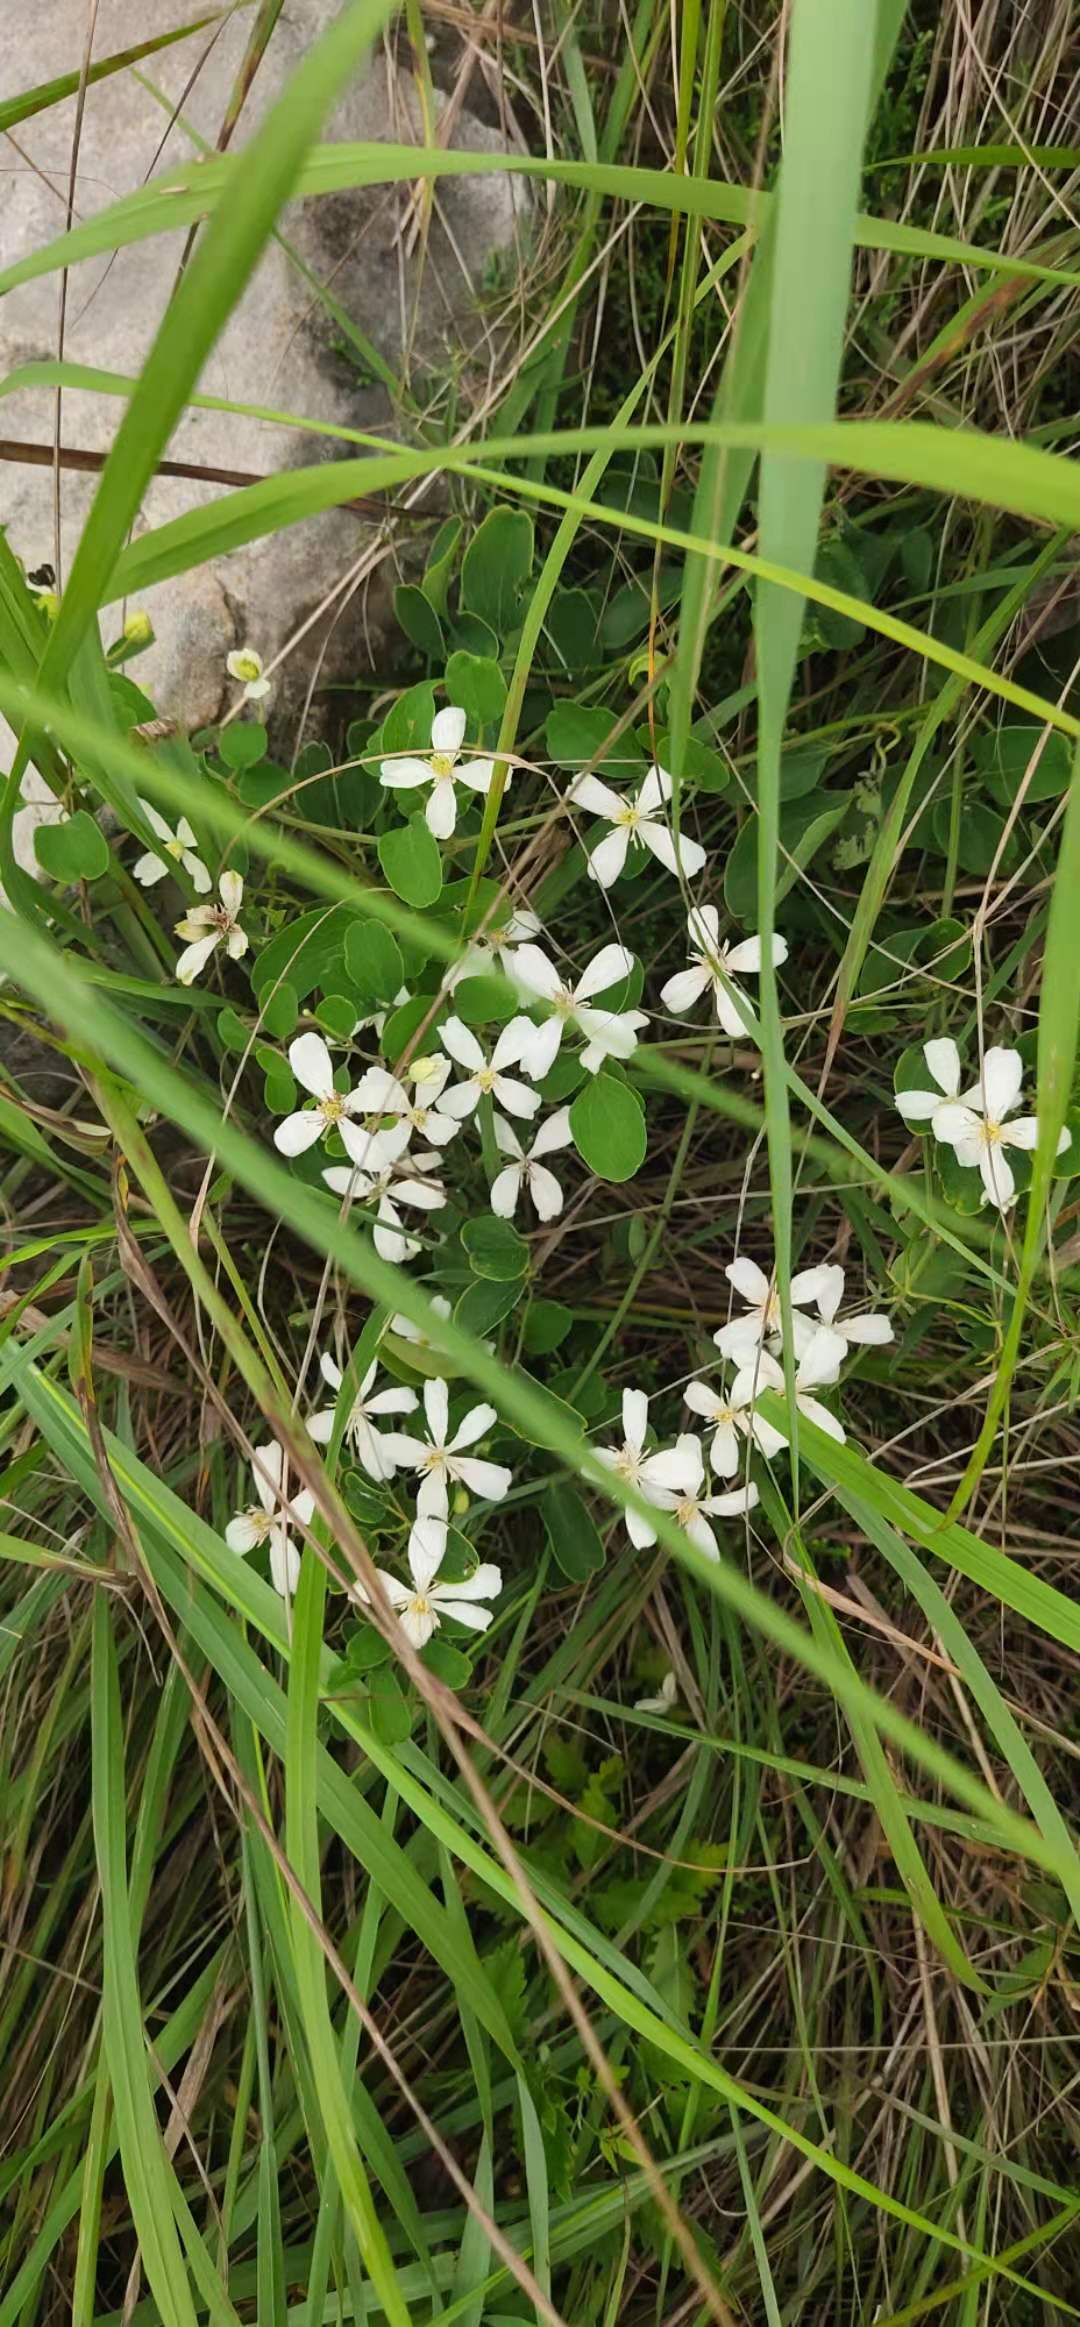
206 925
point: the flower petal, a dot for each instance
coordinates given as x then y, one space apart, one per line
635 1418
943 1061
545 1192
607 968
553 1134
427 1550
448 729
953 1121
997 1177
506 1191
684 989
149 868
917 1106
598 799
608 859
441 809
312 1065
477 774
1002 1075
231 891
462 1045
490 1480
750 1282
194 958
655 790
406 774
296 1133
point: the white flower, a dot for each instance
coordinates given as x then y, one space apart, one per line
374 1179
179 846
368 1444
381 1093
814 1370
730 1418
715 965
744 1335
247 666
837 1334
267 1520
442 771
495 949
421 1605
608 1033
440 1459
943 1060
405 1330
484 1074
691 1509
975 1127
634 818
651 1474
525 1170
313 1067
663 1703
206 925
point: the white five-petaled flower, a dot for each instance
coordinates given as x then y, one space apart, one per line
743 1335
313 1067
716 965
729 1418
421 1605
267 1519
367 1442
440 1459
205 927
495 949
813 1372
443 770
177 847
485 1074
691 1508
375 1179
380 1093
665 1700
608 1033
525 1170
974 1125
246 666
634 817
835 1336
651 1474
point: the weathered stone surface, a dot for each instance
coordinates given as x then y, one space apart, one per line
279 348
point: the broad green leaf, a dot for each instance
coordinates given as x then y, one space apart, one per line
496 567
419 621
607 1120
476 683
410 859
571 1533
495 1249
73 850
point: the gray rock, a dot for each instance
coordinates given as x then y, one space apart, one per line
279 348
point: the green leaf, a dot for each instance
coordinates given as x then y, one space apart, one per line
74 850
410 859
407 725
243 744
496 567
577 736
280 1011
449 1662
571 1532
805 826
570 624
1004 758
419 621
546 1327
485 1001
607 1121
440 563
703 766
476 684
308 952
980 834
373 963
484 1305
495 1249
